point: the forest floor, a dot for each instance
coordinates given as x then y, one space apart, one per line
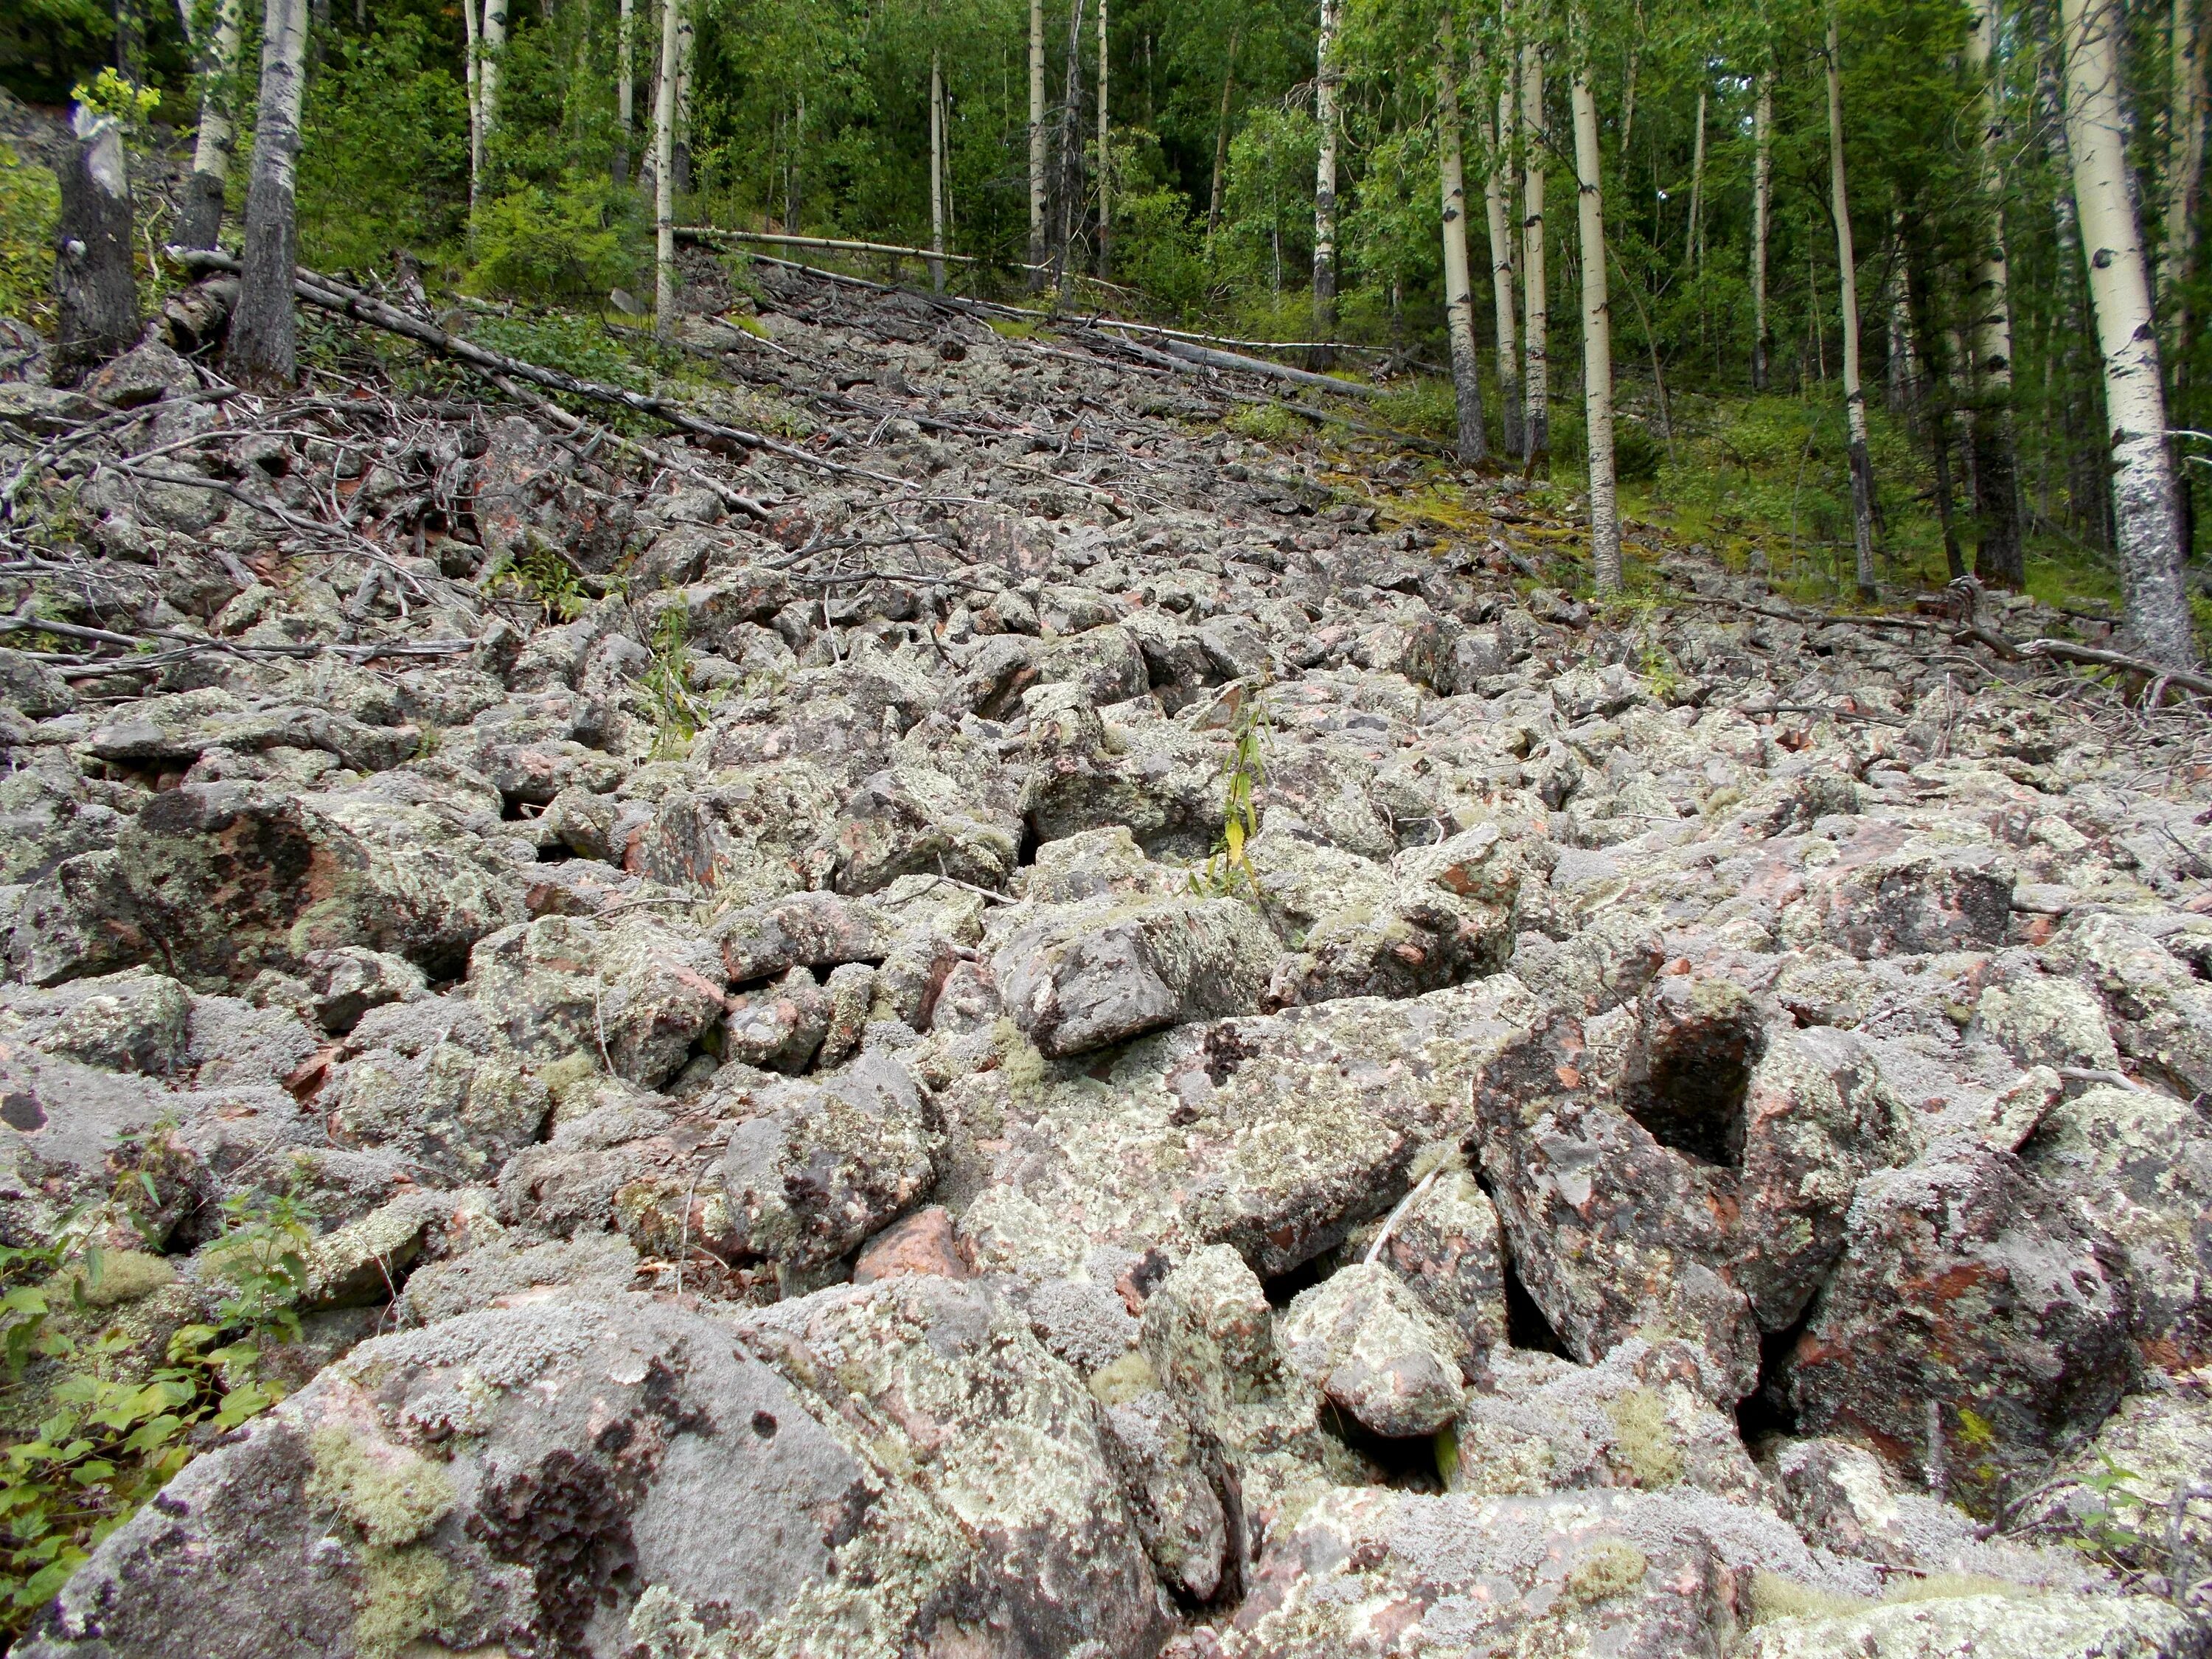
1009 998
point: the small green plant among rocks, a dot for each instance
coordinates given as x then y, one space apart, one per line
541 574
1229 871
676 714
113 1430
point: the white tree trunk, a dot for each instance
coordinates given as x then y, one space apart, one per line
474 69
1105 153
2143 503
1459 283
625 88
2190 63
687 43
664 166
263 330
1861 462
1999 561
1328 77
488 74
218 134
1036 143
1535 377
1697 249
1762 195
1597 331
1497 145
936 171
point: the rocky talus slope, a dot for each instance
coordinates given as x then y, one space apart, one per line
1688 1138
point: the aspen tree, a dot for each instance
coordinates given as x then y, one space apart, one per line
202 218
1999 562
1221 137
1328 78
1696 247
1071 153
1036 143
2189 65
1497 144
2145 520
625 88
1862 463
1459 285
494 52
936 170
1105 154
473 69
263 348
664 167
1762 195
96 289
1535 377
1597 321
687 43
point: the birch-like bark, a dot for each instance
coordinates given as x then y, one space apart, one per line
487 73
1855 418
1458 282
2144 515
687 50
936 171
1328 76
1221 137
1597 327
1071 153
2000 562
625 90
1105 154
664 167
2191 65
1496 147
95 289
1762 195
201 222
264 329
1036 143
473 69
1535 375
1696 248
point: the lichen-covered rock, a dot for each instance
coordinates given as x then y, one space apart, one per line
1090 975
217 881
632 991
134 1021
1639 1418
1173 1479
2161 1013
1680 1169
430 1082
806 930
2123 1492
1990 1627
1277 1135
1445 1244
991 1520
2137 1165
1973 1325
1374 1351
506 1479
1366 1574
824 1164
778 1026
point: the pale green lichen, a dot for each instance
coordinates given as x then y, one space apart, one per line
1609 1567
1774 1596
1642 1444
392 1495
124 1276
1124 1379
404 1594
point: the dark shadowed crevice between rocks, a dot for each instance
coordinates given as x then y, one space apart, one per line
1284 1288
1405 1464
1526 1324
1692 1091
1765 1413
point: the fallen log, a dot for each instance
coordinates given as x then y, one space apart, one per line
329 294
2093 657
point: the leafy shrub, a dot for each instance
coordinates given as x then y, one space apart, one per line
30 202
114 1430
562 243
385 164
